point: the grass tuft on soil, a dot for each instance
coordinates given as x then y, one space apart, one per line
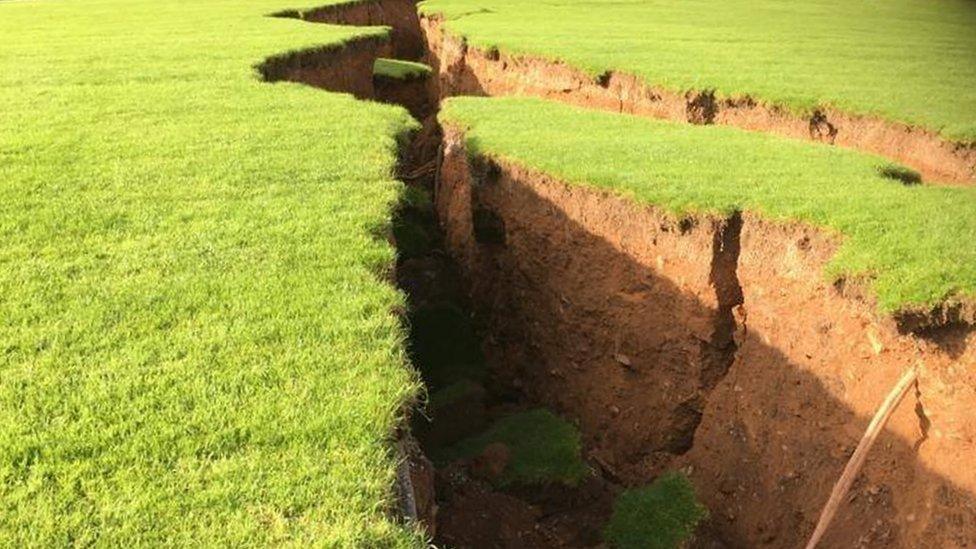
397 69
913 243
543 447
911 61
197 347
659 516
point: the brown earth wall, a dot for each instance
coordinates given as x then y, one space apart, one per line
716 346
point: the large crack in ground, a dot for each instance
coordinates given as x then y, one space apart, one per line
647 355
719 351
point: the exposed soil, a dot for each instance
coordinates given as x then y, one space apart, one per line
416 94
470 71
345 69
620 317
706 344
400 15
471 510
349 68
478 516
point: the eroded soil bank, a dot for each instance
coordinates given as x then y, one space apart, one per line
714 346
467 70
345 69
465 501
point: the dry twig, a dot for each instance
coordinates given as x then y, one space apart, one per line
861 453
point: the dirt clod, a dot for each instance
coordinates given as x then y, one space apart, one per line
491 463
821 129
701 107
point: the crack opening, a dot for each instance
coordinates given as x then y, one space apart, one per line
923 419
718 353
431 277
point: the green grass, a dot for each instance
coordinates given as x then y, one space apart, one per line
659 516
912 61
543 447
914 242
196 347
400 70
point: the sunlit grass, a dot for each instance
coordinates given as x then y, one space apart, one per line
911 61
400 70
197 345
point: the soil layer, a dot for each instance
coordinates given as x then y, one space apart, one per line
471 509
344 69
415 93
400 15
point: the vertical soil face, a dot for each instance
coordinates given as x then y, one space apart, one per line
349 68
416 94
400 15
470 71
344 69
713 345
811 367
560 275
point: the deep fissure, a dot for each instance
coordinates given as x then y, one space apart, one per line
649 395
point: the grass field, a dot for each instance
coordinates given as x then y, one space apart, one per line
196 344
198 336
914 243
911 61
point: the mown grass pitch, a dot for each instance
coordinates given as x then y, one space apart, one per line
914 243
911 61
196 346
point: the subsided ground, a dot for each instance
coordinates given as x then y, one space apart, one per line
651 282
710 341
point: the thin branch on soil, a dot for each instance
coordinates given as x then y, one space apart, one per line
861 453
